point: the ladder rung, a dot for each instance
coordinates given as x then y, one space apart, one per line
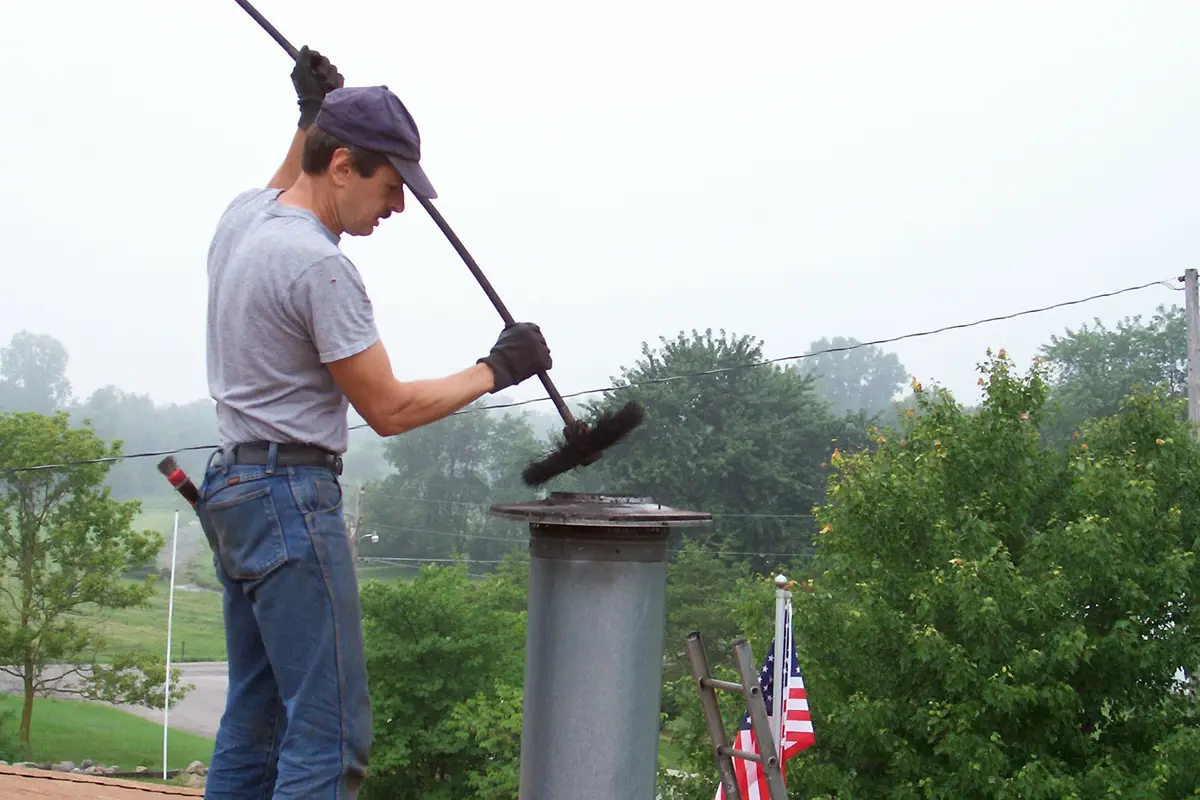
728 686
730 751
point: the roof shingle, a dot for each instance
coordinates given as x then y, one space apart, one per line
19 783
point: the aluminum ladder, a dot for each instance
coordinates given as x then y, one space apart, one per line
706 686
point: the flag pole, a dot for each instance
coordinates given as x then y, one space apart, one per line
170 614
782 595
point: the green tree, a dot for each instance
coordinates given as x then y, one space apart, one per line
705 588
440 648
737 442
1091 370
142 425
853 377
490 723
65 546
445 476
994 617
33 374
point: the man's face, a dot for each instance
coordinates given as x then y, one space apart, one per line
363 202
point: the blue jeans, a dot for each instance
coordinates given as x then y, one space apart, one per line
297 721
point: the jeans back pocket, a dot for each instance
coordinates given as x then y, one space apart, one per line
243 521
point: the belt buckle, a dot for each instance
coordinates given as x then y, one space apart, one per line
336 466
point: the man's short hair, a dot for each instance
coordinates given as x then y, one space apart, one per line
320 146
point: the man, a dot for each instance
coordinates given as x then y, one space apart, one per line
292 342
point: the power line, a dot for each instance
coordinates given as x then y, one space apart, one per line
475 504
842 349
411 559
665 379
524 540
372 527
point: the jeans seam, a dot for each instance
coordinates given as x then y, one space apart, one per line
337 631
268 789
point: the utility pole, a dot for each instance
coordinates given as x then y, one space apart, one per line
1192 308
354 519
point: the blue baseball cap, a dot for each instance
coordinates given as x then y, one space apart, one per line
372 117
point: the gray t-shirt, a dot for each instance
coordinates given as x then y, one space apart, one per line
282 302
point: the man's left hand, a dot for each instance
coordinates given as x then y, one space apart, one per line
314 76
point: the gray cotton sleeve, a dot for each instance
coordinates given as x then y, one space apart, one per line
332 302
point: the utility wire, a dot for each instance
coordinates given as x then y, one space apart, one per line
389 529
665 379
385 528
842 349
475 504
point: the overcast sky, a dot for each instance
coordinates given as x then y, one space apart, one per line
621 171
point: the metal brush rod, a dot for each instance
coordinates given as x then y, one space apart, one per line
567 416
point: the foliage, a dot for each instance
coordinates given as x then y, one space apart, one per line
10 737
441 648
996 618
141 425
1091 370
445 475
699 584
854 377
732 441
703 584
33 374
491 724
65 546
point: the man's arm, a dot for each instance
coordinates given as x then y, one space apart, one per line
289 170
332 300
393 407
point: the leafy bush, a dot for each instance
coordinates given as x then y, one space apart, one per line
441 649
994 617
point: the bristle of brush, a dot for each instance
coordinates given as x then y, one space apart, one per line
571 453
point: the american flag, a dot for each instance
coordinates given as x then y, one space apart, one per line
797 724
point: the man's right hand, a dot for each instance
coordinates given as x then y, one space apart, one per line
519 354
314 77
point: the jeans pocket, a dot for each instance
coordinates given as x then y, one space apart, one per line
317 491
245 524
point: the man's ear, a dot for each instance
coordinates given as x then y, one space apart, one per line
340 167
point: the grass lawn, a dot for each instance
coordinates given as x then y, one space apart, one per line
159 518
68 730
197 632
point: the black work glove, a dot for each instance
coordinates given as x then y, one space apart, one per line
314 77
518 354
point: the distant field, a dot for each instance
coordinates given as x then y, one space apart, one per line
197 631
160 519
69 730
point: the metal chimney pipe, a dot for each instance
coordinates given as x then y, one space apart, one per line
596 616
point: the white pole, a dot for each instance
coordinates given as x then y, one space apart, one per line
170 615
1192 313
781 598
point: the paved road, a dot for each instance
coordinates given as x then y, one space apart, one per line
200 712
